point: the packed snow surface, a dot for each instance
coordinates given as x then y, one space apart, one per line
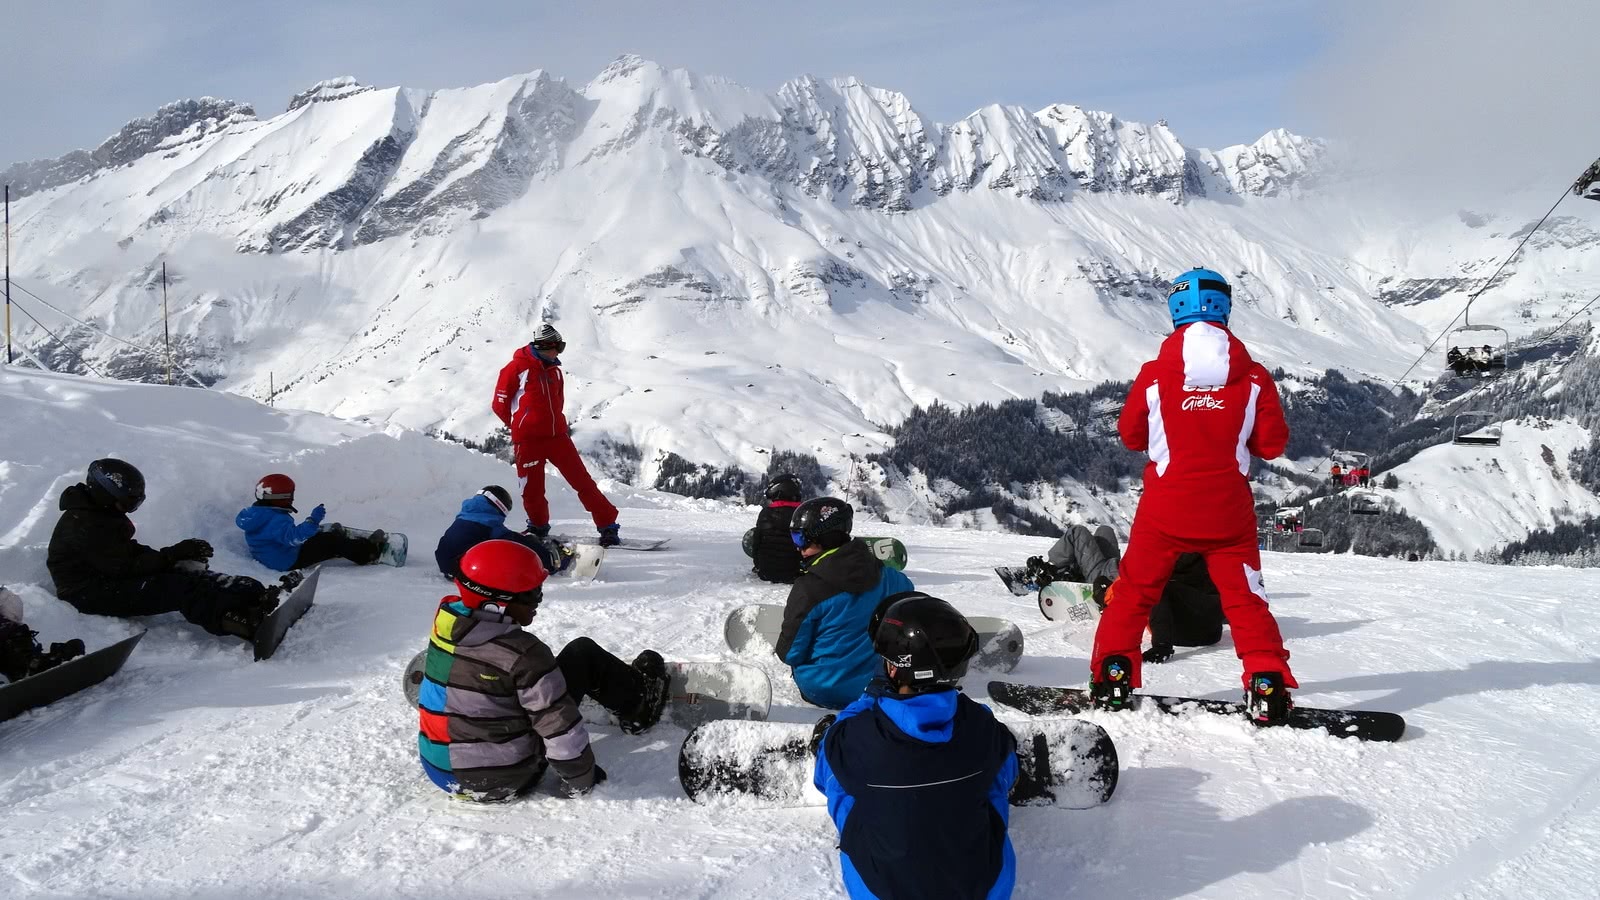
198 773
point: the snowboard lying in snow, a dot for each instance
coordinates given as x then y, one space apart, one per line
395 544
1067 763
755 629
1070 602
699 692
627 543
64 680
1366 725
1017 580
291 606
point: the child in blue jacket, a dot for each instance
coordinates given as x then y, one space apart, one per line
483 518
825 640
917 775
278 543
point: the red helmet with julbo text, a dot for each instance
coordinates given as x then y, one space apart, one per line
276 490
503 573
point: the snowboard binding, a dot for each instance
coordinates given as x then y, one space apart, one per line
652 697
1268 701
1112 688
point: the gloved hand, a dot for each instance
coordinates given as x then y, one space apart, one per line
316 514
599 779
61 651
189 548
1040 571
823 724
1158 653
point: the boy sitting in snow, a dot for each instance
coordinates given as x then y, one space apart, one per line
20 653
496 704
483 518
775 556
917 775
825 638
278 543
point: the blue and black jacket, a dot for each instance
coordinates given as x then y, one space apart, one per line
273 536
824 635
477 522
917 785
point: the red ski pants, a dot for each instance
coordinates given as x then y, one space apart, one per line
1235 567
559 452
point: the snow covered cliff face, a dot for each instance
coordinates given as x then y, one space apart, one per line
735 272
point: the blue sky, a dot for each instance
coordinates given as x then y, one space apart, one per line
1221 72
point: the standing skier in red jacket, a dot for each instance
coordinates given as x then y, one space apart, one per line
1201 409
529 398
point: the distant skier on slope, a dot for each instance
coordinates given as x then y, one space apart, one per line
1200 409
917 774
497 706
530 399
824 638
20 653
483 518
774 554
277 542
100 569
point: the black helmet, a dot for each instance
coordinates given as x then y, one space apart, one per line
824 521
499 496
784 487
926 641
116 483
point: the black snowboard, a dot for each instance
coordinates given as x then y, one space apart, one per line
68 678
1067 763
1017 579
289 610
1366 725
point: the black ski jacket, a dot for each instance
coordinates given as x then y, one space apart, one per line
775 555
93 546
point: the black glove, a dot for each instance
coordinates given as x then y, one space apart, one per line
189 549
62 651
1040 571
599 779
1158 653
823 724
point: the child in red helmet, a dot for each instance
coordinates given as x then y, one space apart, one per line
1200 409
278 543
496 704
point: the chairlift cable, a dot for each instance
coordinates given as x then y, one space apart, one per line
102 331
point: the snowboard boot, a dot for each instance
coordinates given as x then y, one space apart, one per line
652 696
1268 701
820 730
1113 687
563 554
379 540
539 531
243 621
272 596
609 535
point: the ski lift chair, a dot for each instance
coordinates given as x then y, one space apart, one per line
1473 429
1364 503
1477 351
1311 539
1287 519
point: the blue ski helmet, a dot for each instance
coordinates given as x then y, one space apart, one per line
1200 295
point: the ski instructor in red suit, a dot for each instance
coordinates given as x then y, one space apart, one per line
1200 409
529 398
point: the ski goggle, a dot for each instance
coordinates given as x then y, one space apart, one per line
799 538
554 348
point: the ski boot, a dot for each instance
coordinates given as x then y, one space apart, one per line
1113 690
609 536
653 696
1268 701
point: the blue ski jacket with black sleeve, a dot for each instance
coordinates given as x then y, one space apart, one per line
917 785
273 537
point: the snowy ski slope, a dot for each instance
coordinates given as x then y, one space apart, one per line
197 773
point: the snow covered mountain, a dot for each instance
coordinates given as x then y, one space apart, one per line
195 772
736 272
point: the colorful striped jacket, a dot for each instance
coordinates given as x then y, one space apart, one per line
494 706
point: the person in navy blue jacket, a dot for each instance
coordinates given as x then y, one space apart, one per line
278 543
917 775
483 518
824 638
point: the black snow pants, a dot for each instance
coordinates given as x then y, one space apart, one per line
326 545
592 671
202 597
